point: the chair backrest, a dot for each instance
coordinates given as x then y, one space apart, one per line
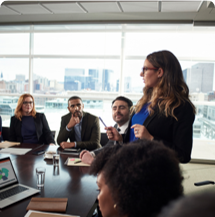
5 133
104 139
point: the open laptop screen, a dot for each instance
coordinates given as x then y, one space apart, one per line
7 175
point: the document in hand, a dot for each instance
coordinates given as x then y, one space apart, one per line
7 144
48 204
76 162
32 213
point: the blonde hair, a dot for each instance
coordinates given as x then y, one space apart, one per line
171 91
18 110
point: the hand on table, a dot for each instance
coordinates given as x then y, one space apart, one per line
141 132
86 157
67 145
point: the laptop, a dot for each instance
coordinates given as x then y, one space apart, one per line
10 189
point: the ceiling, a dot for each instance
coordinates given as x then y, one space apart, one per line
106 11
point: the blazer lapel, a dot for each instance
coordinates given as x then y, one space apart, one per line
149 119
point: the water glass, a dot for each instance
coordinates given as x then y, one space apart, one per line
40 176
56 160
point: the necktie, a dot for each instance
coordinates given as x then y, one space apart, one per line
118 129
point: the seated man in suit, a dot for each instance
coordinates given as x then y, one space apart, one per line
81 128
121 114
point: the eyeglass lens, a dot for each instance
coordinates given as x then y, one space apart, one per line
30 103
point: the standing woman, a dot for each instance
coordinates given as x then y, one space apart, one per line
29 126
165 112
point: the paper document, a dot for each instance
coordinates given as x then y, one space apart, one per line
7 144
16 151
76 162
32 213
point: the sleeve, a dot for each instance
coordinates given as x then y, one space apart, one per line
94 141
97 151
63 133
46 131
12 132
182 133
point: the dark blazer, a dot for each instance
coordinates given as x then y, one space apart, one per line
175 134
90 133
44 134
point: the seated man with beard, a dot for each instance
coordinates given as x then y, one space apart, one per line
81 128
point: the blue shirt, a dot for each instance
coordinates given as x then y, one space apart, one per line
138 118
28 130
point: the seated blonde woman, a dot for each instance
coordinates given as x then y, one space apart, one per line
29 126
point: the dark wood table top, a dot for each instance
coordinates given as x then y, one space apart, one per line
73 183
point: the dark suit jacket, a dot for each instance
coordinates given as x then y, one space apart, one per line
90 133
44 134
177 135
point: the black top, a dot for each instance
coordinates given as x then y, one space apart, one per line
29 134
44 135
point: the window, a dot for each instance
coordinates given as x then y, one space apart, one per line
98 62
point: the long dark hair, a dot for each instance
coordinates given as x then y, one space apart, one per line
171 91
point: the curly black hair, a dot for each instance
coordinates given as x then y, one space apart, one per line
143 176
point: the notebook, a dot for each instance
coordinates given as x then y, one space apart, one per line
10 189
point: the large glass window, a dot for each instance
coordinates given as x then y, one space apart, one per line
14 43
62 75
98 62
14 75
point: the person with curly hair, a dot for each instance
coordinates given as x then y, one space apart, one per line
165 112
136 179
29 126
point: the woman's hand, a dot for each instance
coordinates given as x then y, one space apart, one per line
141 132
113 134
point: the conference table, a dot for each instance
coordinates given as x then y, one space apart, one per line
72 182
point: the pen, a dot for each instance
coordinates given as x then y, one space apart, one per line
102 121
78 161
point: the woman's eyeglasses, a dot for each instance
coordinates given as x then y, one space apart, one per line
144 69
26 103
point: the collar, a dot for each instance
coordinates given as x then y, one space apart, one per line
123 128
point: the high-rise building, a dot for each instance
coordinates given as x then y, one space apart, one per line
107 80
127 84
74 79
20 78
95 81
200 77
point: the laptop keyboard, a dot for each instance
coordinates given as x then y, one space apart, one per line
12 191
